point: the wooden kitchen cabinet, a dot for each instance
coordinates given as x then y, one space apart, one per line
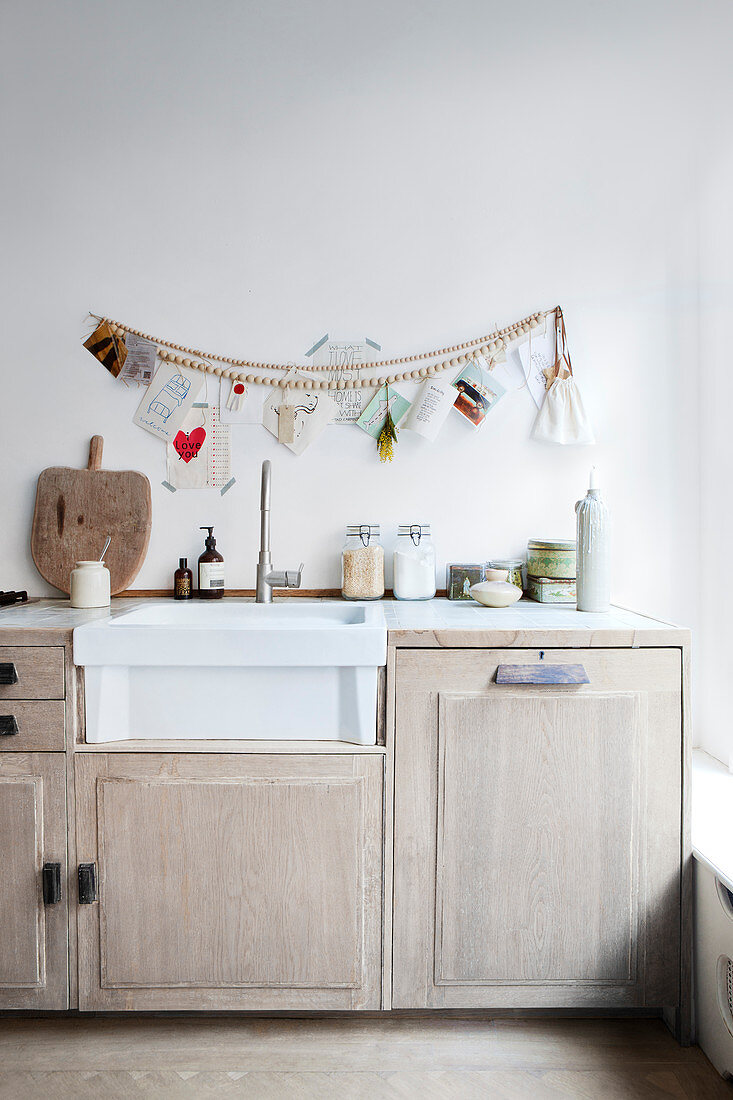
230 881
33 920
537 831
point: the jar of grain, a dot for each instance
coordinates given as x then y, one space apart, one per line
362 563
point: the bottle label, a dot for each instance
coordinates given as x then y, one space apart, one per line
211 574
183 586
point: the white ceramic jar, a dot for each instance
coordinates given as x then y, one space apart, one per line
90 585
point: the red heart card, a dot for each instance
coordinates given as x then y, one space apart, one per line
188 444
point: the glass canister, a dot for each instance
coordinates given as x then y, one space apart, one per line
362 563
513 567
414 563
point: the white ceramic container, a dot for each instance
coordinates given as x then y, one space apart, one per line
90 585
496 593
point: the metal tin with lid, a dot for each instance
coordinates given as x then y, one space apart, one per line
459 578
551 558
551 590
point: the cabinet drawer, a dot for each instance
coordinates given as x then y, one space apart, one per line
31 726
541 671
36 672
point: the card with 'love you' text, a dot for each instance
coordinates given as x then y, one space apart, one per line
199 454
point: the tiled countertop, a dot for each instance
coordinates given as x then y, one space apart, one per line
422 623
525 615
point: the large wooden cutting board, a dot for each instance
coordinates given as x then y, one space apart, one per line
77 509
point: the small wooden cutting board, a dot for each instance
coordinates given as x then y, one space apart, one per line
76 510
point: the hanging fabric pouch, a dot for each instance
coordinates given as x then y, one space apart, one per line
562 417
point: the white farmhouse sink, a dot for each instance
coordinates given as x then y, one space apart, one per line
233 669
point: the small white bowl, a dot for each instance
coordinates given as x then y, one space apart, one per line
495 593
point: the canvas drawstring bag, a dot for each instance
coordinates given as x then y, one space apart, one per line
562 417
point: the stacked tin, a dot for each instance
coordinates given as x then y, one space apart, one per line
551 570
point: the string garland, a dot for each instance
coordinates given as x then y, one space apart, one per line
491 346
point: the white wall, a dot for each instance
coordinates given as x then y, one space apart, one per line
712 642
244 177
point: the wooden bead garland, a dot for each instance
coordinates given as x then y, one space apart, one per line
488 346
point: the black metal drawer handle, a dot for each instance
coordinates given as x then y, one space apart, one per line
541 673
8 725
51 883
8 673
87 883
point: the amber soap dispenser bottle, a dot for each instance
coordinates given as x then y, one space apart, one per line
182 581
211 569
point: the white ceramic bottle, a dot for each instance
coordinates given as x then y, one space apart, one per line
593 581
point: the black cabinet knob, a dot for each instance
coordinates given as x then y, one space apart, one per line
8 725
8 673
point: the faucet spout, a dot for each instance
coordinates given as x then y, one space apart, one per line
267 577
266 482
265 508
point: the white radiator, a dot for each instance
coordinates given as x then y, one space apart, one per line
714 968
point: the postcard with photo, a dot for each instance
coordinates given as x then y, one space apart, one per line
478 391
374 415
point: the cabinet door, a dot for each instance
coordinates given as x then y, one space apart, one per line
537 832
33 935
230 881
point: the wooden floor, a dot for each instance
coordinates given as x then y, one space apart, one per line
99 1058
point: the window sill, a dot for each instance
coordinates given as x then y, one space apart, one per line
712 815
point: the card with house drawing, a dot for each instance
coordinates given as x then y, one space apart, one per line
167 400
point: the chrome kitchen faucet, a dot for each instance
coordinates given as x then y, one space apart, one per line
267 577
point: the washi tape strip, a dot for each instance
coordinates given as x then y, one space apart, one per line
316 346
167 485
227 487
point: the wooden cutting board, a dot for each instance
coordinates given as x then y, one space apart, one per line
77 509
